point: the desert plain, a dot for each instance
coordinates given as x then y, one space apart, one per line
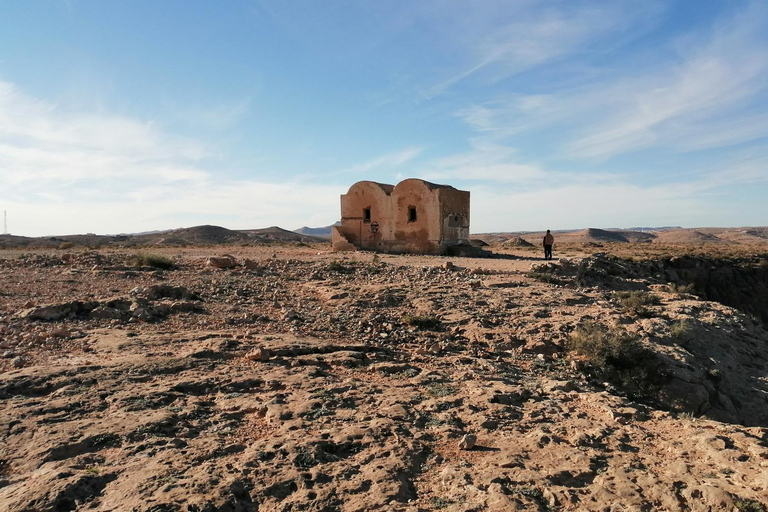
624 375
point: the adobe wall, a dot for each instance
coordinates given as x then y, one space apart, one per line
423 234
381 217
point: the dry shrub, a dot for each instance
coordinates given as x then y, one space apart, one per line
545 277
422 322
682 330
145 259
678 289
617 356
636 302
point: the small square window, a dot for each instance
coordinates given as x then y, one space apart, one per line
366 215
411 214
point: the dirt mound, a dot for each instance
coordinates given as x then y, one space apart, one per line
516 242
604 235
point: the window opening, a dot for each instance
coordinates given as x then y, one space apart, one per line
411 214
367 214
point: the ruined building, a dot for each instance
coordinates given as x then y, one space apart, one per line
414 216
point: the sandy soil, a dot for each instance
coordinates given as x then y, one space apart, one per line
305 380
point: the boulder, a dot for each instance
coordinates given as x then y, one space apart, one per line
223 262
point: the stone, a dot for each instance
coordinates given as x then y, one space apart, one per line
222 262
467 442
250 264
259 354
396 412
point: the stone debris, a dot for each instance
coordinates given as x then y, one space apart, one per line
360 383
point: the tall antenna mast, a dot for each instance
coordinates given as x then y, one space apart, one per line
5 222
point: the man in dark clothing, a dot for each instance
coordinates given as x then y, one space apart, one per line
548 241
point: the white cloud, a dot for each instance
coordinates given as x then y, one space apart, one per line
68 172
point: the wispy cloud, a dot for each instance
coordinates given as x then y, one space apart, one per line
384 162
506 39
712 92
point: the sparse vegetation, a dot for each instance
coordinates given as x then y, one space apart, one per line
545 277
636 302
440 390
439 502
616 356
337 266
422 322
146 259
749 506
681 330
679 289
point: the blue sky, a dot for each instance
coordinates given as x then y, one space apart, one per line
127 116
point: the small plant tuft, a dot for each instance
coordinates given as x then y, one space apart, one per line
679 289
440 390
438 502
545 277
637 302
146 259
422 322
337 266
681 330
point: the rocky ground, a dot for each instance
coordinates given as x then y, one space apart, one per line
291 378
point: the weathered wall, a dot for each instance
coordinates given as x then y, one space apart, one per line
423 234
441 217
454 213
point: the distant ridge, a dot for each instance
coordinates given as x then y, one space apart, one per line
196 235
323 232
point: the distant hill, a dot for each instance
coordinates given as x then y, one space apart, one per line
277 234
324 232
688 236
196 235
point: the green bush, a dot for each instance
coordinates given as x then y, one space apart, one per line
145 259
616 356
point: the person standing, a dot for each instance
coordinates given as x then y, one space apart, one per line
548 241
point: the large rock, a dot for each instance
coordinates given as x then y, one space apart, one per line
225 261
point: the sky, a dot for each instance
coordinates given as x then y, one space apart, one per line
136 115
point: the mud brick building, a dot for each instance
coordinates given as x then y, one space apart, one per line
414 216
